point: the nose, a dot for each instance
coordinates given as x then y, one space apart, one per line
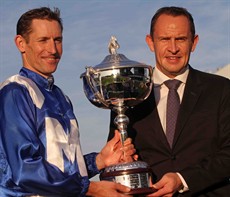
52 47
172 46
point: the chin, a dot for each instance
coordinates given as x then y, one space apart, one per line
52 69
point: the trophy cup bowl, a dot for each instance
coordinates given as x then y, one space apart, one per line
118 83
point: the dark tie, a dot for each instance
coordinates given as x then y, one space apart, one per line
173 104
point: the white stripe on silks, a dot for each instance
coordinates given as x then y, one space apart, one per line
59 142
35 93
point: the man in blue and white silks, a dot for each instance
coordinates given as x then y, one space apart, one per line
40 153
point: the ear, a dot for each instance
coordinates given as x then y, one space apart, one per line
196 39
20 43
149 42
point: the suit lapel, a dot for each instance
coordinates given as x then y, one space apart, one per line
193 89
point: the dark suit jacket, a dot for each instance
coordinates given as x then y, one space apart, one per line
201 147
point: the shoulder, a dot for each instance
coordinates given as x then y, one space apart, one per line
19 86
208 78
12 84
16 81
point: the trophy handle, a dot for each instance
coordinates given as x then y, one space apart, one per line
91 82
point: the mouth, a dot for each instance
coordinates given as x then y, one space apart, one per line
53 59
173 59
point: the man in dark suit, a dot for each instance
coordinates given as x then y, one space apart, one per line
197 160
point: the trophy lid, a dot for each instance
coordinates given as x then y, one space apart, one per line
115 60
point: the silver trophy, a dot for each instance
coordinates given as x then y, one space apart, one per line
118 83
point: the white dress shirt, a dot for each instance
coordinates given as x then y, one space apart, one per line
161 91
161 94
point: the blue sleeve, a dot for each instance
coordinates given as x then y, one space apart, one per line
90 160
22 161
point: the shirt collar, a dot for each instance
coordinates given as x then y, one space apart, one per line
46 83
159 78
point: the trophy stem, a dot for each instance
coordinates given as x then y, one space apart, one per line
121 121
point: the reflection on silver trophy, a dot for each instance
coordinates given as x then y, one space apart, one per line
118 83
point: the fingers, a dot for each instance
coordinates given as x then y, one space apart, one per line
135 157
128 147
123 153
168 185
122 188
107 188
115 139
128 154
117 135
127 141
161 192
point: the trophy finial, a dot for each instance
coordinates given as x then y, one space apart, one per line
113 45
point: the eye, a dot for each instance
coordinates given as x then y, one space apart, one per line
58 40
42 40
164 39
181 39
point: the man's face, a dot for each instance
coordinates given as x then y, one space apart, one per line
43 49
172 43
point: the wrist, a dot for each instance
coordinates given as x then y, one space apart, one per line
92 189
99 162
184 186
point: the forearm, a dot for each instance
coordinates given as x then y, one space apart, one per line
91 164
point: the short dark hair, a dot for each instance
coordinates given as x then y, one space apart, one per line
173 11
25 21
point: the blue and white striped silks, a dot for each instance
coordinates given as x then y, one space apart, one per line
40 152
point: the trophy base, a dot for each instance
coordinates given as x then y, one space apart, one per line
143 191
135 175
